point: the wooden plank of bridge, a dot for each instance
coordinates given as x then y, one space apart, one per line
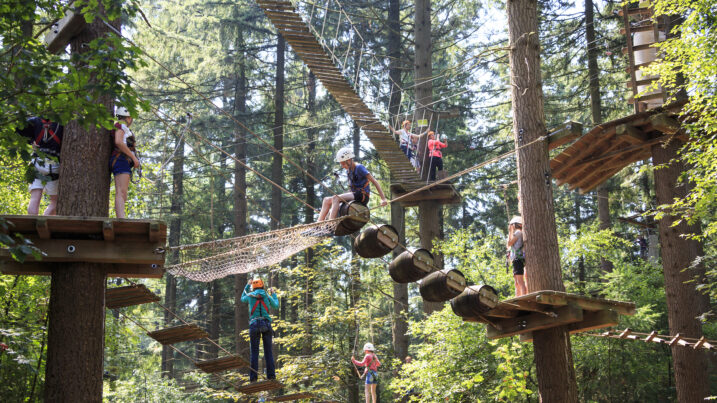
261 386
222 364
120 297
292 397
178 334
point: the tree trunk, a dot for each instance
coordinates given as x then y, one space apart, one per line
394 62
310 185
400 291
241 312
684 302
175 234
77 292
277 174
553 355
354 296
603 195
423 72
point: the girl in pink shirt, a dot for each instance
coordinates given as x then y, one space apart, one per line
371 362
434 151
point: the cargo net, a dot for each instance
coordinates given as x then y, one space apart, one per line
208 261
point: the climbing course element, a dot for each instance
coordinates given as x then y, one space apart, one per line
653 337
329 64
442 285
178 334
357 215
209 261
474 301
222 364
409 267
546 309
260 386
376 241
293 396
120 297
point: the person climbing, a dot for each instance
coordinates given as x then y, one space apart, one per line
405 138
517 255
123 158
260 325
359 181
434 152
371 362
44 175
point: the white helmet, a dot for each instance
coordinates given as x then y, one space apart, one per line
122 111
368 347
516 220
344 154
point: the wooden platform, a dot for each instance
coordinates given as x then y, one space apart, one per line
261 386
178 334
608 148
545 309
443 193
121 297
130 248
222 364
292 397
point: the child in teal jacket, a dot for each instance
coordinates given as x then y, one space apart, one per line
259 302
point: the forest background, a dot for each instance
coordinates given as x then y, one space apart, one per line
331 300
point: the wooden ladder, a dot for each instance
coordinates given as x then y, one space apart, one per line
309 48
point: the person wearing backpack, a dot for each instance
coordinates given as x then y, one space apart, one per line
517 255
371 362
259 302
44 174
123 158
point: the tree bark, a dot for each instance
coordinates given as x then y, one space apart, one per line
553 355
684 302
603 194
423 71
175 234
310 185
241 312
277 174
400 291
77 291
394 62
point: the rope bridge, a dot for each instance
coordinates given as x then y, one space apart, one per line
208 261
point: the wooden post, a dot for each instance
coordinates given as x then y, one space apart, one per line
77 305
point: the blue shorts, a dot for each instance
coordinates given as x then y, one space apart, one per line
120 164
371 377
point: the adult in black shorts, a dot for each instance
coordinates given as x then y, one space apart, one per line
517 256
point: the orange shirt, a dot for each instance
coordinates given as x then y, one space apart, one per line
434 146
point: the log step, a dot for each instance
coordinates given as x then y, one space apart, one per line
293 396
261 386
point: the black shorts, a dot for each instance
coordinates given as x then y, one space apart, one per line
518 267
361 197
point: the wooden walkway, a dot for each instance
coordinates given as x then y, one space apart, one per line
287 20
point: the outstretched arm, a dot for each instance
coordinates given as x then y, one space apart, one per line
378 189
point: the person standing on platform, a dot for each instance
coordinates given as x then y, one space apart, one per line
259 302
405 138
123 158
434 152
371 362
517 255
359 181
44 175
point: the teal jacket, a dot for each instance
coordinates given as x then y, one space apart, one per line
250 297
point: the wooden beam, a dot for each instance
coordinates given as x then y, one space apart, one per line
564 134
74 250
587 303
591 321
631 134
111 270
108 231
64 30
42 229
665 124
534 321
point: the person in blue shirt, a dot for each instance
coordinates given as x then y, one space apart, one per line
359 181
260 325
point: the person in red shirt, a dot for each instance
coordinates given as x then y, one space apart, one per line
434 151
371 362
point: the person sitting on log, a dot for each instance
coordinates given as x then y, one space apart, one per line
359 181
260 325
123 158
44 174
434 152
517 255
371 362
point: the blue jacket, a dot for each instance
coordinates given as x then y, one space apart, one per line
250 297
